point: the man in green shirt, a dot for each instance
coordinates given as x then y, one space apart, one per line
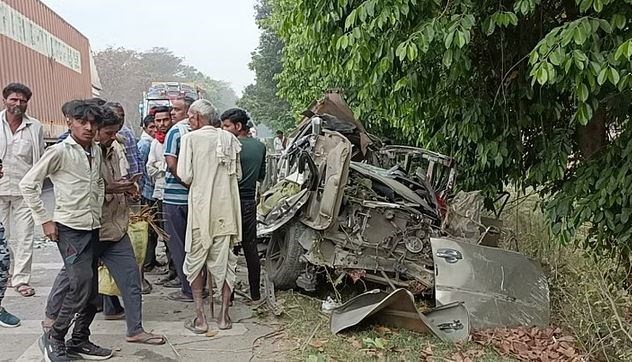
253 168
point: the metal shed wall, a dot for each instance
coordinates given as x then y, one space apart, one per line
40 49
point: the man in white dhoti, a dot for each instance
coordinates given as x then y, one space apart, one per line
209 163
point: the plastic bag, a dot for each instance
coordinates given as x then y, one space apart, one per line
107 285
138 232
138 236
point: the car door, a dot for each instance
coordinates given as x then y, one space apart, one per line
331 155
498 287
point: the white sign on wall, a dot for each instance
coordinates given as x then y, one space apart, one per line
18 27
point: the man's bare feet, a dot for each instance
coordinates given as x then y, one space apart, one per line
224 321
200 323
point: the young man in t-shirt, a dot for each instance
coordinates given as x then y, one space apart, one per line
74 167
253 168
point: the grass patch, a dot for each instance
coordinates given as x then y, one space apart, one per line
588 299
310 339
588 293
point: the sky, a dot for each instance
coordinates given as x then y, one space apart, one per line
215 36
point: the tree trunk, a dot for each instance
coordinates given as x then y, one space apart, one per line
592 137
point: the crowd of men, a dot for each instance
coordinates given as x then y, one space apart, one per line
196 168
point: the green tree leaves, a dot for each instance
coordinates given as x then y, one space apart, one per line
343 42
508 90
624 51
260 98
525 7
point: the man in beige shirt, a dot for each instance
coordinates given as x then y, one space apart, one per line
114 248
21 146
209 163
74 167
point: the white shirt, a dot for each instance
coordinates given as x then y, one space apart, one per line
18 157
156 168
79 188
278 145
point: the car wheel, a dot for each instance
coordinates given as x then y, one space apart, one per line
283 263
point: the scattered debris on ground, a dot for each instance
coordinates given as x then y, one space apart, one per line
308 338
530 344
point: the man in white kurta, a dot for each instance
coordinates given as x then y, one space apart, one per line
21 146
209 163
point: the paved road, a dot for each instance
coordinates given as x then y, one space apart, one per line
160 315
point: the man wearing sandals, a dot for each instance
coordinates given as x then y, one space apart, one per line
114 248
209 163
21 146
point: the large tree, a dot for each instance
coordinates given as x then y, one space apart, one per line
529 92
126 73
261 98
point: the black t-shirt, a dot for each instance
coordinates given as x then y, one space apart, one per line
253 166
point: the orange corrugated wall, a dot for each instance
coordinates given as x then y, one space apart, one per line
52 83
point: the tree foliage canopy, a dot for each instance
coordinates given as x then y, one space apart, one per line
529 92
125 74
261 98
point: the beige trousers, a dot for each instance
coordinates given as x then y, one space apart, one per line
18 223
218 259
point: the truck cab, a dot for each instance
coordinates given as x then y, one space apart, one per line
162 93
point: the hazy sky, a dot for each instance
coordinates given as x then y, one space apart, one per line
215 36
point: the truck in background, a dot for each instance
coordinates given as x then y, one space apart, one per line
41 50
161 94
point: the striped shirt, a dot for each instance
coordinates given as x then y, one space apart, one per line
131 151
175 192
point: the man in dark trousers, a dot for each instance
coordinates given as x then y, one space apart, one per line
253 168
176 199
74 167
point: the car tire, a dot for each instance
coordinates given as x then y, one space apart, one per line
283 257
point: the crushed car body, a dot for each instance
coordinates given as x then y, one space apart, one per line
450 323
347 203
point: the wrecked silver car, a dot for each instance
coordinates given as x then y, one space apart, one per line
346 204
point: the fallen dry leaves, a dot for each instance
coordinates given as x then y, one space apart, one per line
427 353
471 353
318 343
382 330
356 343
530 344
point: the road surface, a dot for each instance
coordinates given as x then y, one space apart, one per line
160 315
